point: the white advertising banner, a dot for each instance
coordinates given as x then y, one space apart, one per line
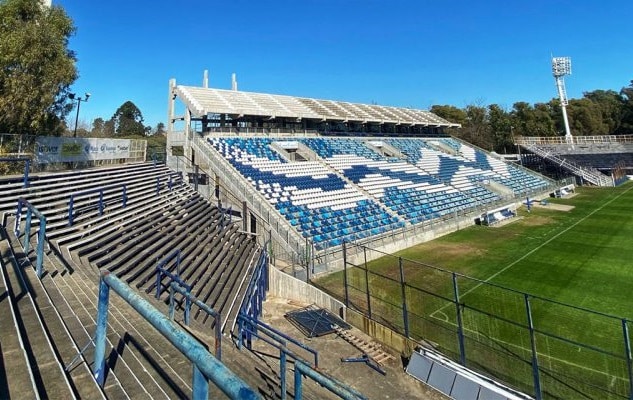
50 149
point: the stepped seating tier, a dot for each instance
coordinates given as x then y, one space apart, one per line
366 192
313 198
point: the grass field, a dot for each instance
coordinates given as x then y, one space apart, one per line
582 257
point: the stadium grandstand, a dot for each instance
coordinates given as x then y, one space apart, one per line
317 173
124 278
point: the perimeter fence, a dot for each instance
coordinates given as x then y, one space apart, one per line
540 346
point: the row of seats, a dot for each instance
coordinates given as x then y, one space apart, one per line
354 192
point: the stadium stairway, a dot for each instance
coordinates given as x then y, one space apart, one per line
141 362
216 259
34 338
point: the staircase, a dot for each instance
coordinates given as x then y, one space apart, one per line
591 175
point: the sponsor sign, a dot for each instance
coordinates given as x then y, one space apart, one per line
59 149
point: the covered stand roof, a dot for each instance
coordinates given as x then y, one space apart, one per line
204 101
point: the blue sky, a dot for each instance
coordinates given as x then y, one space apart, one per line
398 53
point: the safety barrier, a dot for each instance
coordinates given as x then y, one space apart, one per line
30 210
180 286
205 365
71 203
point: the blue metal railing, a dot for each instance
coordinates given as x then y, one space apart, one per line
180 286
204 364
30 210
27 167
255 325
343 391
100 205
170 181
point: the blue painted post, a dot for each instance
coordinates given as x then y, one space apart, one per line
187 306
27 231
403 290
124 196
298 390
282 371
18 217
40 246
627 349
172 302
27 167
535 368
100 334
71 210
200 385
460 324
101 203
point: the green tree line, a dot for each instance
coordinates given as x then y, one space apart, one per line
492 127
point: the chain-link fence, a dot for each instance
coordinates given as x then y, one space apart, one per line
537 345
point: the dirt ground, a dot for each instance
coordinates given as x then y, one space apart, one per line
396 384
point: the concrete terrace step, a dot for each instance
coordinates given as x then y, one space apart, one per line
15 374
139 365
42 357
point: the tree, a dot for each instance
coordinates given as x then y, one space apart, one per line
98 127
36 66
500 128
626 128
128 120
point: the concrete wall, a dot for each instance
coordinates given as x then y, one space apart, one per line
288 287
381 333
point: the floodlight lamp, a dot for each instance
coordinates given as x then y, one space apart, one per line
87 96
561 66
71 96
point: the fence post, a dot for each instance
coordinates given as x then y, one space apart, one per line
40 246
100 334
27 166
535 368
629 361
367 282
405 313
200 385
101 202
460 324
344 276
27 231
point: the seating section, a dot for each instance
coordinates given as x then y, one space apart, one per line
351 191
313 198
404 188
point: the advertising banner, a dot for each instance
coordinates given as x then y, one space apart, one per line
60 149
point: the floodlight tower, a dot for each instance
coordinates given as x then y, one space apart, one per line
561 66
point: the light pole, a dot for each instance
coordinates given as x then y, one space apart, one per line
73 96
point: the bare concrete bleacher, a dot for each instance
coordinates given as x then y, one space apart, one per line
47 346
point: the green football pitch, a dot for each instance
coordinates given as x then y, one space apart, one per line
576 251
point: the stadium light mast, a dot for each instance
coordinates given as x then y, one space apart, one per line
561 66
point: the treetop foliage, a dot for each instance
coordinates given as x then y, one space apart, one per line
600 112
36 67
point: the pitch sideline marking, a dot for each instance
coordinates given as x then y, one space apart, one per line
535 249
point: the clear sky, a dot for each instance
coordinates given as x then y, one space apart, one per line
412 53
